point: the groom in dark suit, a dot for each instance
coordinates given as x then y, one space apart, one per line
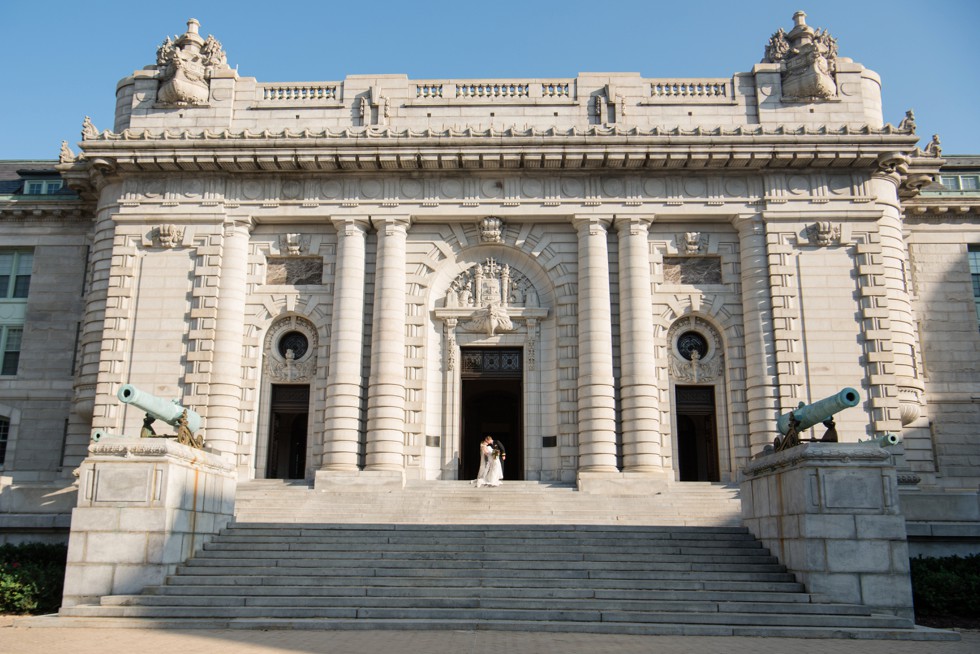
500 452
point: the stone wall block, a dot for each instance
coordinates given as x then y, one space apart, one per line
840 530
178 498
858 556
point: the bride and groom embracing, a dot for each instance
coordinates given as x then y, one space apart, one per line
492 455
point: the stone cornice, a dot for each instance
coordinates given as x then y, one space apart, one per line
819 454
368 149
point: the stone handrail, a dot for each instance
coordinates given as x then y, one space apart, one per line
466 91
305 92
690 90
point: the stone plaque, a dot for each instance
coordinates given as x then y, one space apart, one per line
294 271
692 270
123 484
851 489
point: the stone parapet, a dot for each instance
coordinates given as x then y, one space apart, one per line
144 506
830 513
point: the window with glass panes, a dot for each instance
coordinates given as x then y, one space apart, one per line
961 182
15 284
974 254
4 433
42 187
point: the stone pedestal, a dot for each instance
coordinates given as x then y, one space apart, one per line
144 506
830 512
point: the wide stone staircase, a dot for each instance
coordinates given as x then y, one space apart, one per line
523 557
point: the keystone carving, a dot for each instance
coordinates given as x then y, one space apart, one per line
293 244
692 242
490 230
823 233
168 236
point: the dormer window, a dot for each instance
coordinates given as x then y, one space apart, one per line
42 186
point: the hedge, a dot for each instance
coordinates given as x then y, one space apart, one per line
945 587
32 576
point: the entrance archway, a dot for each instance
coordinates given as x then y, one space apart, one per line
492 404
697 438
288 417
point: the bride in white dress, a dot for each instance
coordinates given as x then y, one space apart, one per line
490 471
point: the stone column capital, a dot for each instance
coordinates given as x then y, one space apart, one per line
633 225
239 224
592 225
748 223
350 225
391 224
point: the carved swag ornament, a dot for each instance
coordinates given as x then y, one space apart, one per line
809 58
186 64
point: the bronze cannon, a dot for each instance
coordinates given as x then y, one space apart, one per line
807 415
184 420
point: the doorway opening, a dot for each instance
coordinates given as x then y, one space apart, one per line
492 404
697 438
288 416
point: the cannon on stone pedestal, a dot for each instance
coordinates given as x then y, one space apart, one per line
184 420
807 415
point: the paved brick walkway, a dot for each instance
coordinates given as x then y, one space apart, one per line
23 640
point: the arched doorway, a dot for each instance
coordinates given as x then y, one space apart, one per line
697 439
288 418
492 404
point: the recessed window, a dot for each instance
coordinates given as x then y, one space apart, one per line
42 186
294 342
974 254
4 435
10 338
960 182
15 273
690 342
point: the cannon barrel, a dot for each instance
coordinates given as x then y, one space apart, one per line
813 414
102 434
158 408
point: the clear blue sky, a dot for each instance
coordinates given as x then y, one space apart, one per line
61 59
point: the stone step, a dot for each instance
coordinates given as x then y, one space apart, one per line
626 583
418 591
504 602
625 628
478 614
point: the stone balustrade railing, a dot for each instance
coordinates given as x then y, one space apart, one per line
450 91
303 92
690 90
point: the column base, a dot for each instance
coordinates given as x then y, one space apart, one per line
359 480
622 483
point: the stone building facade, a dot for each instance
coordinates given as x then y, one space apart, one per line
627 280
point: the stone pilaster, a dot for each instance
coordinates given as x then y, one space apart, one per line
342 426
639 396
760 367
386 385
92 387
596 399
901 320
222 425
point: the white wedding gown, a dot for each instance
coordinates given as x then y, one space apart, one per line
490 471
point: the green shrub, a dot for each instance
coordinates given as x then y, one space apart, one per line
31 577
948 586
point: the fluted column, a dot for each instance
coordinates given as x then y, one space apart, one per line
760 365
596 399
639 397
342 426
225 389
386 385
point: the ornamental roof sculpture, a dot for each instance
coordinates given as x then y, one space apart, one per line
185 64
809 58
